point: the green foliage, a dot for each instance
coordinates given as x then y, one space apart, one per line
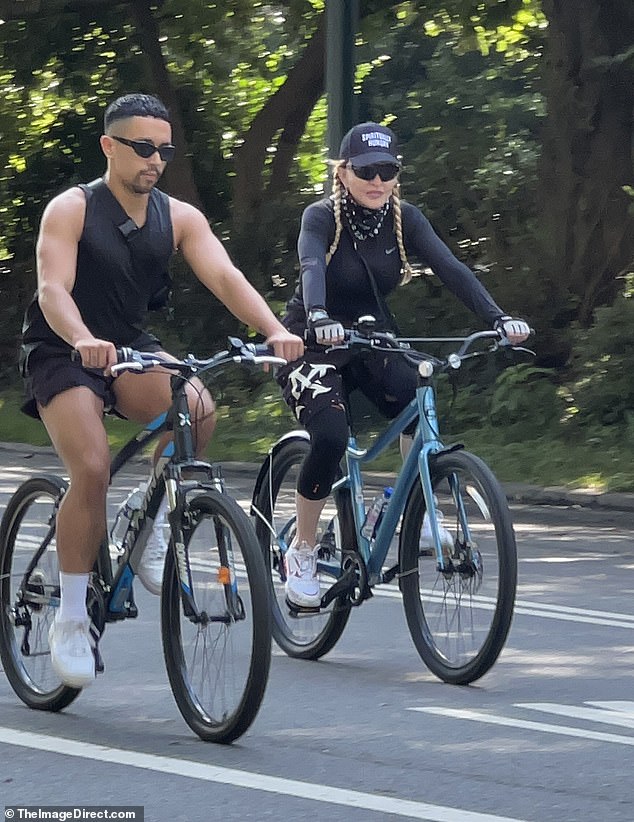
602 385
526 402
459 80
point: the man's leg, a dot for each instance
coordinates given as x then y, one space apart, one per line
74 423
73 420
142 397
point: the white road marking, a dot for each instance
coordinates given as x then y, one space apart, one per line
245 779
541 727
538 609
623 717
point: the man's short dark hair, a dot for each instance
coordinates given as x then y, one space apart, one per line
134 105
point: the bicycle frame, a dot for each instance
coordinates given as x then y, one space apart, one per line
166 477
425 444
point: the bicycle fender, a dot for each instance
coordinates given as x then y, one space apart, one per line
299 434
449 449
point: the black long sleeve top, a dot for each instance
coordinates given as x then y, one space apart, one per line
343 286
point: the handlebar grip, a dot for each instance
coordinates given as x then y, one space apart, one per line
263 350
123 354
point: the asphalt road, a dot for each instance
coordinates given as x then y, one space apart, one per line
368 733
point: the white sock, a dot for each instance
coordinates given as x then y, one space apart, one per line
73 590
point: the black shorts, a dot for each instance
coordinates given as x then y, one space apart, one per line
48 371
317 381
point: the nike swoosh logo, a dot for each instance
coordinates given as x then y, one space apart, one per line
390 250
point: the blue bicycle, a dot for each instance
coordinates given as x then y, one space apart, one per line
215 614
455 557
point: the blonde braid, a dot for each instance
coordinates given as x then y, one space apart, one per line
406 268
337 193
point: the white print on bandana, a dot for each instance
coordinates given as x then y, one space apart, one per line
376 139
310 382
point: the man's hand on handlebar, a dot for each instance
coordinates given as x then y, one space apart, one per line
95 353
285 345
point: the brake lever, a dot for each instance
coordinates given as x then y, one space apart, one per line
269 359
126 366
524 350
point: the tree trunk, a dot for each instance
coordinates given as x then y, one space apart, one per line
587 152
179 175
284 113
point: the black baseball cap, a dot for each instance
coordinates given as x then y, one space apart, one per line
369 143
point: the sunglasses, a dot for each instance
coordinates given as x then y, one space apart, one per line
386 171
146 150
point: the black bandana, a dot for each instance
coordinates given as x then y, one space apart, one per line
363 222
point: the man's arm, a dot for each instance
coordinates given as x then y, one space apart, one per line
211 264
56 252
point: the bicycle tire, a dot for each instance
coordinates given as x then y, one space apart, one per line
205 707
28 669
459 620
303 637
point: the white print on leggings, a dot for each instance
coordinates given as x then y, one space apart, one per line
309 382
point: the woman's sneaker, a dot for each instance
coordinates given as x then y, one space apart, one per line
150 570
302 582
72 655
426 541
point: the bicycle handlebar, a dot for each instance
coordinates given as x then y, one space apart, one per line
389 343
128 359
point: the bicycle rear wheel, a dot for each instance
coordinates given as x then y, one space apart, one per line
459 618
218 667
29 593
308 635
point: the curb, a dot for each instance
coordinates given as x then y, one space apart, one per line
520 493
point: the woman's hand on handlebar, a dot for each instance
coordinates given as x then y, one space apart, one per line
514 329
326 330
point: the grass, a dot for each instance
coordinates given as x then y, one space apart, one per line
245 435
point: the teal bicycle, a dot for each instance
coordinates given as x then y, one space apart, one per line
458 593
215 614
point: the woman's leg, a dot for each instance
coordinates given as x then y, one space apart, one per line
328 431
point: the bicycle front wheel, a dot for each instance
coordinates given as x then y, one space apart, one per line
218 665
301 635
459 617
29 593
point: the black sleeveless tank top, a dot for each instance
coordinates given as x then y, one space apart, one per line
122 271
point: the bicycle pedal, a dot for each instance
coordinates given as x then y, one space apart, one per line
298 611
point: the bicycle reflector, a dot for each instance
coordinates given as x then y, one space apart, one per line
425 369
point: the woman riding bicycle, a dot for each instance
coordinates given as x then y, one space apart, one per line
353 251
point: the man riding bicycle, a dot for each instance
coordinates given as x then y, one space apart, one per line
102 263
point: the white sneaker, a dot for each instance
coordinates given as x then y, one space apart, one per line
72 656
302 582
426 540
150 570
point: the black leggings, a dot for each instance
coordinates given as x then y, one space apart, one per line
316 389
328 430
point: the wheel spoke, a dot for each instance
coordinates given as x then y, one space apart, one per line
459 614
218 665
29 593
303 635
